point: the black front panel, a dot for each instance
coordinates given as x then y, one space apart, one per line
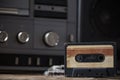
98 22
51 26
13 26
33 33
51 9
22 60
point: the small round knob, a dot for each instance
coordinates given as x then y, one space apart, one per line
3 36
23 37
51 39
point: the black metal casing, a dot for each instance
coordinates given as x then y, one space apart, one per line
36 18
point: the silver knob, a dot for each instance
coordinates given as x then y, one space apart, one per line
3 36
23 37
51 39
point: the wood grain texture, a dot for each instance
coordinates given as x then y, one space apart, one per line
42 77
106 50
88 49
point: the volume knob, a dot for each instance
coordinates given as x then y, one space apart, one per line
51 39
23 37
3 36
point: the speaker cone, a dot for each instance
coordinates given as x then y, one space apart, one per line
105 17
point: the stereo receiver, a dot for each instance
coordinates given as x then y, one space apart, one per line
33 33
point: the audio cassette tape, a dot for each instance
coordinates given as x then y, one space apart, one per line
90 60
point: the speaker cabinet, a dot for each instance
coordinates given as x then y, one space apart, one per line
98 21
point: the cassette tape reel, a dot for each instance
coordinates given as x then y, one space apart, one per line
90 60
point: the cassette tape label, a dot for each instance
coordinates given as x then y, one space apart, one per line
90 56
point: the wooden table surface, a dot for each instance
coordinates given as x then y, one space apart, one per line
41 77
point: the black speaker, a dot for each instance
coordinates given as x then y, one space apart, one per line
98 21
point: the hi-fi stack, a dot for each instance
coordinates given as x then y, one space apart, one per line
33 33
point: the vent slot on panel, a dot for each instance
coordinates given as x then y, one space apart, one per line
51 9
52 2
19 60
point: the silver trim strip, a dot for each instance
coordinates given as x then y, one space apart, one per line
14 11
9 10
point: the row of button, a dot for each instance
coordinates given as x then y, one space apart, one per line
50 38
31 61
23 37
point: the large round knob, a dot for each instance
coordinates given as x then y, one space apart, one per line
3 36
23 37
51 39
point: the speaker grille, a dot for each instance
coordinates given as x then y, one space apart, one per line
105 16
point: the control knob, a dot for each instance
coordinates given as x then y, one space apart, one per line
51 39
23 37
3 36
